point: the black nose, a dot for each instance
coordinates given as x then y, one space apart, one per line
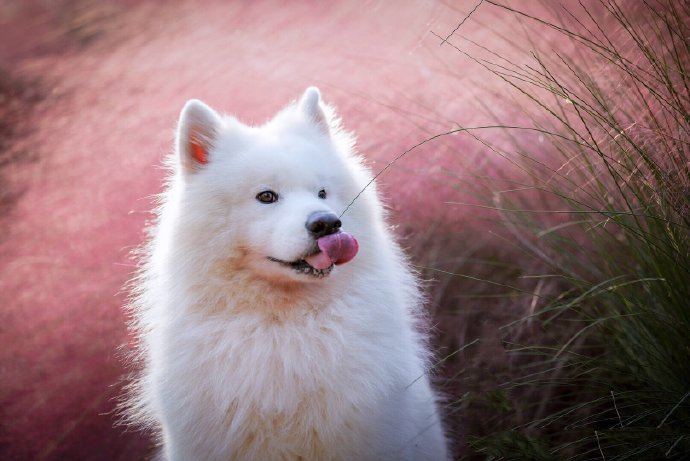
321 223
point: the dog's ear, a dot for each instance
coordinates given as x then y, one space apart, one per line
196 132
310 105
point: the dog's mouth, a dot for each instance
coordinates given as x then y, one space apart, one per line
303 267
329 250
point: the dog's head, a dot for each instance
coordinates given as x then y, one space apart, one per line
269 199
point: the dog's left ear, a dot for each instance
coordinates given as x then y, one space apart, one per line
310 105
196 131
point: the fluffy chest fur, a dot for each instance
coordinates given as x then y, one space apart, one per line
302 387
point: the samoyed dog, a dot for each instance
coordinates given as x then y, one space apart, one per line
277 318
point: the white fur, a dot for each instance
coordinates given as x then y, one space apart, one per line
246 359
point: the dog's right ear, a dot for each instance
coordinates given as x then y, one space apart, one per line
196 131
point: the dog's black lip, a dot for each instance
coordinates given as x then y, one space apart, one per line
303 266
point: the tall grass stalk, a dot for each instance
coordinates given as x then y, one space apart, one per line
605 210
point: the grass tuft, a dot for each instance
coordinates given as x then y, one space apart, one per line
603 211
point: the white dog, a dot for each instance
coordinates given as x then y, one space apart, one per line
269 329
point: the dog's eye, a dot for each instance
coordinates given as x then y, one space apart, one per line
267 196
322 193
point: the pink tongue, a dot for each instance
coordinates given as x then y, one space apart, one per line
336 248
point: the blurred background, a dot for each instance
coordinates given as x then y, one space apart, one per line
564 145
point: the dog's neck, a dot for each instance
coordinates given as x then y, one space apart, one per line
241 292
